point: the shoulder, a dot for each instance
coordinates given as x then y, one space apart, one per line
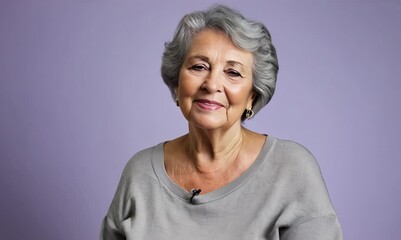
295 160
292 154
138 173
298 174
137 177
141 162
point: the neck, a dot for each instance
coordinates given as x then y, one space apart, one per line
214 151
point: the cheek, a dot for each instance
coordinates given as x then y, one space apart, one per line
185 91
187 85
239 96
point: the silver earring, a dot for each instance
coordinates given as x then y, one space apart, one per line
249 113
176 101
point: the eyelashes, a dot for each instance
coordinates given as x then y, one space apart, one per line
232 73
198 67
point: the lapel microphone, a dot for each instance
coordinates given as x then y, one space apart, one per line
195 192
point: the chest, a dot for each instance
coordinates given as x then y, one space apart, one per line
239 216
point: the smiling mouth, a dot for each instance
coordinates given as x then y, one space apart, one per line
208 105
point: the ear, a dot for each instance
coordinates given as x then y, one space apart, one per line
176 91
250 100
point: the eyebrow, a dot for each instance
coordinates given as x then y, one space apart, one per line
206 59
201 57
235 63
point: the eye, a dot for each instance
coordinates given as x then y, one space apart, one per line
233 73
198 67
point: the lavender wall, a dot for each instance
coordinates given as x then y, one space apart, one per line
80 92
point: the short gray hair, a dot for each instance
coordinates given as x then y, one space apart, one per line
248 35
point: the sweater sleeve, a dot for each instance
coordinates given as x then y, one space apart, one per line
121 208
109 230
309 214
325 227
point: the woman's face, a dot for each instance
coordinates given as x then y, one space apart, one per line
215 81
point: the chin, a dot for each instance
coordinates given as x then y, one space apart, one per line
208 123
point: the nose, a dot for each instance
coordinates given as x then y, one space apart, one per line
213 82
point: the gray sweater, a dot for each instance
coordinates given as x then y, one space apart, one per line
281 196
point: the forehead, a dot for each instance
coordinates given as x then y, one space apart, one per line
216 44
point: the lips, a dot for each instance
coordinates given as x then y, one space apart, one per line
208 105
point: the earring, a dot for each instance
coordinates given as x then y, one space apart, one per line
249 113
176 101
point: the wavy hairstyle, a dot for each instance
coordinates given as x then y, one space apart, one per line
248 35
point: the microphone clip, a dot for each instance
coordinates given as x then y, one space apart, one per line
195 192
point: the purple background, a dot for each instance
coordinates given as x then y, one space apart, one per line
80 93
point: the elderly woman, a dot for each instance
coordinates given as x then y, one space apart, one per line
221 180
